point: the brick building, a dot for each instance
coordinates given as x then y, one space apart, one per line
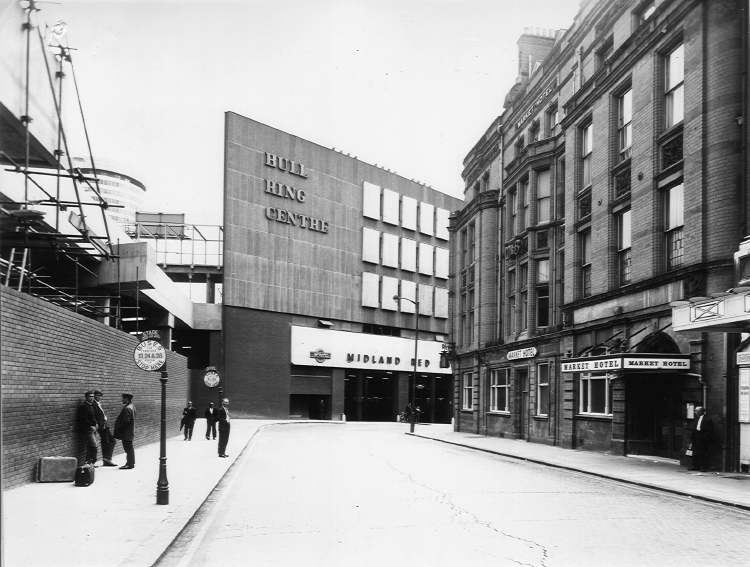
612 184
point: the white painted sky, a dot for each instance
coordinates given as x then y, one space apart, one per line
408 84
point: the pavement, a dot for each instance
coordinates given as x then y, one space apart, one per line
730 489
116 522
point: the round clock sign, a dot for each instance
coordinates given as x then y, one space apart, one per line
211 377
149 355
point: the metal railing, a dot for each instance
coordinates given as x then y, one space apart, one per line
182 243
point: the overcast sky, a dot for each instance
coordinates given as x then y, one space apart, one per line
407 84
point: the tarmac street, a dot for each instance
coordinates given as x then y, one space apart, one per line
367 495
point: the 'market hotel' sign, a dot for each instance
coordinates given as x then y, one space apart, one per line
628 362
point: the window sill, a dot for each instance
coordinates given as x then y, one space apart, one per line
499 412
467 410
595 416
540 417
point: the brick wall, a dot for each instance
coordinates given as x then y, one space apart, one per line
49 357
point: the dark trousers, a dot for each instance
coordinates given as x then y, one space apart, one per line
223 437
129 453
210 428
108 443
87 451
189 429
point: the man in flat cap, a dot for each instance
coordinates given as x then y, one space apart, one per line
86 428
105 435
125 429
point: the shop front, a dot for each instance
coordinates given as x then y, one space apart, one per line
378 374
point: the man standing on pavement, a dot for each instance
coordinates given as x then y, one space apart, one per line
701 439
125 429
189 415
105 435
222 416
210 415
86 428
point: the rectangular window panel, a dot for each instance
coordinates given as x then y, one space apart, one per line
624 124
542 271
425 299
370 245
595 394
409 291
371 200
370 289
622 182
623 247
499 386
408 213
441 223
543 196
426 259
675 75
441 302
389 288
467 398
408 255
587 147
542 306
426 219
441 262
390 250
390 206
542 393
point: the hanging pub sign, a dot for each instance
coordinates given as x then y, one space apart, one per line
149 354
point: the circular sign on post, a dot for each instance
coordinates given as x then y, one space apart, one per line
149 355
211 378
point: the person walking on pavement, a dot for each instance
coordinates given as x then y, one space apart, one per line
86 429
189 415
210 415
222 416
701 440
105 435
125 429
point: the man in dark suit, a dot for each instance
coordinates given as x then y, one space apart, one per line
189 415
210 415
222 417
105 435
701 439
86 429
125 429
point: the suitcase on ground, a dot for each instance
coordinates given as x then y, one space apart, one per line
85 475
56 469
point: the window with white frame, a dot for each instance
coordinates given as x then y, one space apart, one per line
584 252
594 394
674 209
624 124
587 148
499 390
551 120
542 293
624 258
542 389
543 196
674 95
467 400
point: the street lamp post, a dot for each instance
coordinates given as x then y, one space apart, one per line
413 416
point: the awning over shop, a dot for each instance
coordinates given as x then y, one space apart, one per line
627 362
727 312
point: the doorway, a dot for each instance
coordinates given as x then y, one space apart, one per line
654 418
370 396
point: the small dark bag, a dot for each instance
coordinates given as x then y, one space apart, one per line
84 475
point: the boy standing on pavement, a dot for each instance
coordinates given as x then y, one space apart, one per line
105 435
125 429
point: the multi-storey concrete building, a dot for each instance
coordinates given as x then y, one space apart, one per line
317 246
612 184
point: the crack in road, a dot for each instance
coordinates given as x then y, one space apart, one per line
444 498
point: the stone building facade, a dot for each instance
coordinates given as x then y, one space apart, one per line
612 185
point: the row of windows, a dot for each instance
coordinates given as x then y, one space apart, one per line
390 250
383 292
595 392
400 210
